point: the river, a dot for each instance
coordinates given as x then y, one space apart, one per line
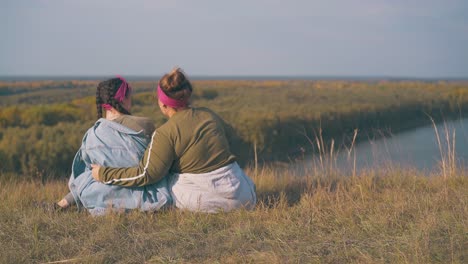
416 149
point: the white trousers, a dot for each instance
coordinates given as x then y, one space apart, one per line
224 189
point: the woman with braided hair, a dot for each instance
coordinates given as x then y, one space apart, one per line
193 148
119 139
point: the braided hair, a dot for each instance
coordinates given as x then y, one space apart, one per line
105 94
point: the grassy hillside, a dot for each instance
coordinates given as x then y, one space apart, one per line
385 216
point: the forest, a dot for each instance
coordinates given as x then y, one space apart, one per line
42 122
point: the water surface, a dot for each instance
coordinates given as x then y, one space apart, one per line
417 149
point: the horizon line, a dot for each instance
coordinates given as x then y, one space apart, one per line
17 77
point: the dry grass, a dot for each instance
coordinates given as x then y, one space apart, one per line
382 216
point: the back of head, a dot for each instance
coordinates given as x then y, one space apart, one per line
176 85
105 95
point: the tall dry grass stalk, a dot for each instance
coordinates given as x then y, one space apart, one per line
255 158
352 149
326 154
447 152
325 161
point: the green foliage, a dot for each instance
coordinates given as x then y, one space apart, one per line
10 116
40 149
275 117
207 94
48 115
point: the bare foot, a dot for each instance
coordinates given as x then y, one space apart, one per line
63 203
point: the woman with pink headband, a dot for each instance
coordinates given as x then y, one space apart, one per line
192 150
119 139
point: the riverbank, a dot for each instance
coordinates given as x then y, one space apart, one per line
378 216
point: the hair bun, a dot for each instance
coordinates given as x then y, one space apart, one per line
176 85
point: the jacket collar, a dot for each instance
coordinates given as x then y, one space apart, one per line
114 125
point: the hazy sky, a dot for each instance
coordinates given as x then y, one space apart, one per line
412 38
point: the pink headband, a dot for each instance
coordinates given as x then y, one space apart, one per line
121 92
174 103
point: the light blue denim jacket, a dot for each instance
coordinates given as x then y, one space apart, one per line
110 144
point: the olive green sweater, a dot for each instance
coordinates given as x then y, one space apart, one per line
136 123
194 140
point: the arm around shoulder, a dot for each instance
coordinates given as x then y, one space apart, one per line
154 165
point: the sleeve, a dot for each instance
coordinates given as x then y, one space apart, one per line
156 162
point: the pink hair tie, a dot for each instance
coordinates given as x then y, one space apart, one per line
120 94
174 103
122 91
107 106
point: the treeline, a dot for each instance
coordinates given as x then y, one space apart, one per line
18 87
48 115
47 92
277 118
